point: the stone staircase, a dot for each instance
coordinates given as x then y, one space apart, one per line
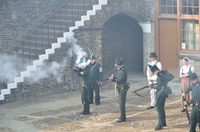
47 37
46 34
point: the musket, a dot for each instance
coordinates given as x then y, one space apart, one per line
143 88
72 67
186 110
103 80
159 96
197 105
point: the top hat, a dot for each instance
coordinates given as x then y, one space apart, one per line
193 76
119 61
153 54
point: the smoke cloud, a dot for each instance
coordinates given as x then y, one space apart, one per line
8 68
55 69
77 51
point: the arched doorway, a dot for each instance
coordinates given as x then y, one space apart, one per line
122 36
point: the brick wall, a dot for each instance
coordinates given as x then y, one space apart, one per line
126 35
112 29
19 18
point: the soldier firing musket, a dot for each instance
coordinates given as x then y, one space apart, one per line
122 87
83 72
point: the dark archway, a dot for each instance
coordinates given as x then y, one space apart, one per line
122 36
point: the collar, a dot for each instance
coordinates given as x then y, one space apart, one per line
122 68
196 83
93 63
160 72
154 62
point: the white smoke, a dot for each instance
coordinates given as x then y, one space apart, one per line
77 51
8 69
44 71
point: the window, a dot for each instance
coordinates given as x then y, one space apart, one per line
186 12
190 34
168 6
190 7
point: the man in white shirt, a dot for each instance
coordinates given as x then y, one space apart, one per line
152 78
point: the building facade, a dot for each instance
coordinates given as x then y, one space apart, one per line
122 28
177 33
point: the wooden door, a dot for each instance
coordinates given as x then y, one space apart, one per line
168 45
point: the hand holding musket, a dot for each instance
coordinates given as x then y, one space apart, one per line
75 68
111 78
100 81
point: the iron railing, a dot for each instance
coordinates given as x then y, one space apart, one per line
46 33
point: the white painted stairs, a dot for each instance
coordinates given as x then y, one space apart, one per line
52 50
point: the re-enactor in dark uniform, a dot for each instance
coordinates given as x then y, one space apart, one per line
195 88
95 75
122 87
84 73
162 80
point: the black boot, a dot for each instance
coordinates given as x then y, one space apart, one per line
150 107
159 127
121 120
85 113
183 110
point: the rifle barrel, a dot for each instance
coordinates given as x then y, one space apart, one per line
69 67
143 88
103 80
72 67
186 110
140 89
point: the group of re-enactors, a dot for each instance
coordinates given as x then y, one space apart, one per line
190 88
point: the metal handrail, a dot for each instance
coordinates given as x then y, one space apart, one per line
29 48
38 26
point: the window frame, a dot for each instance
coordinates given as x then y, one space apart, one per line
179 17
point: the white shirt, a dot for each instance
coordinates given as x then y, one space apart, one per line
185 69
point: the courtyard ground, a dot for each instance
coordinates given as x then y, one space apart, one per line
60 112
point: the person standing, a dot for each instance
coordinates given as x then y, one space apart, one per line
195 100
185 71
152 78
83 72
162 80
122 87
95 75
